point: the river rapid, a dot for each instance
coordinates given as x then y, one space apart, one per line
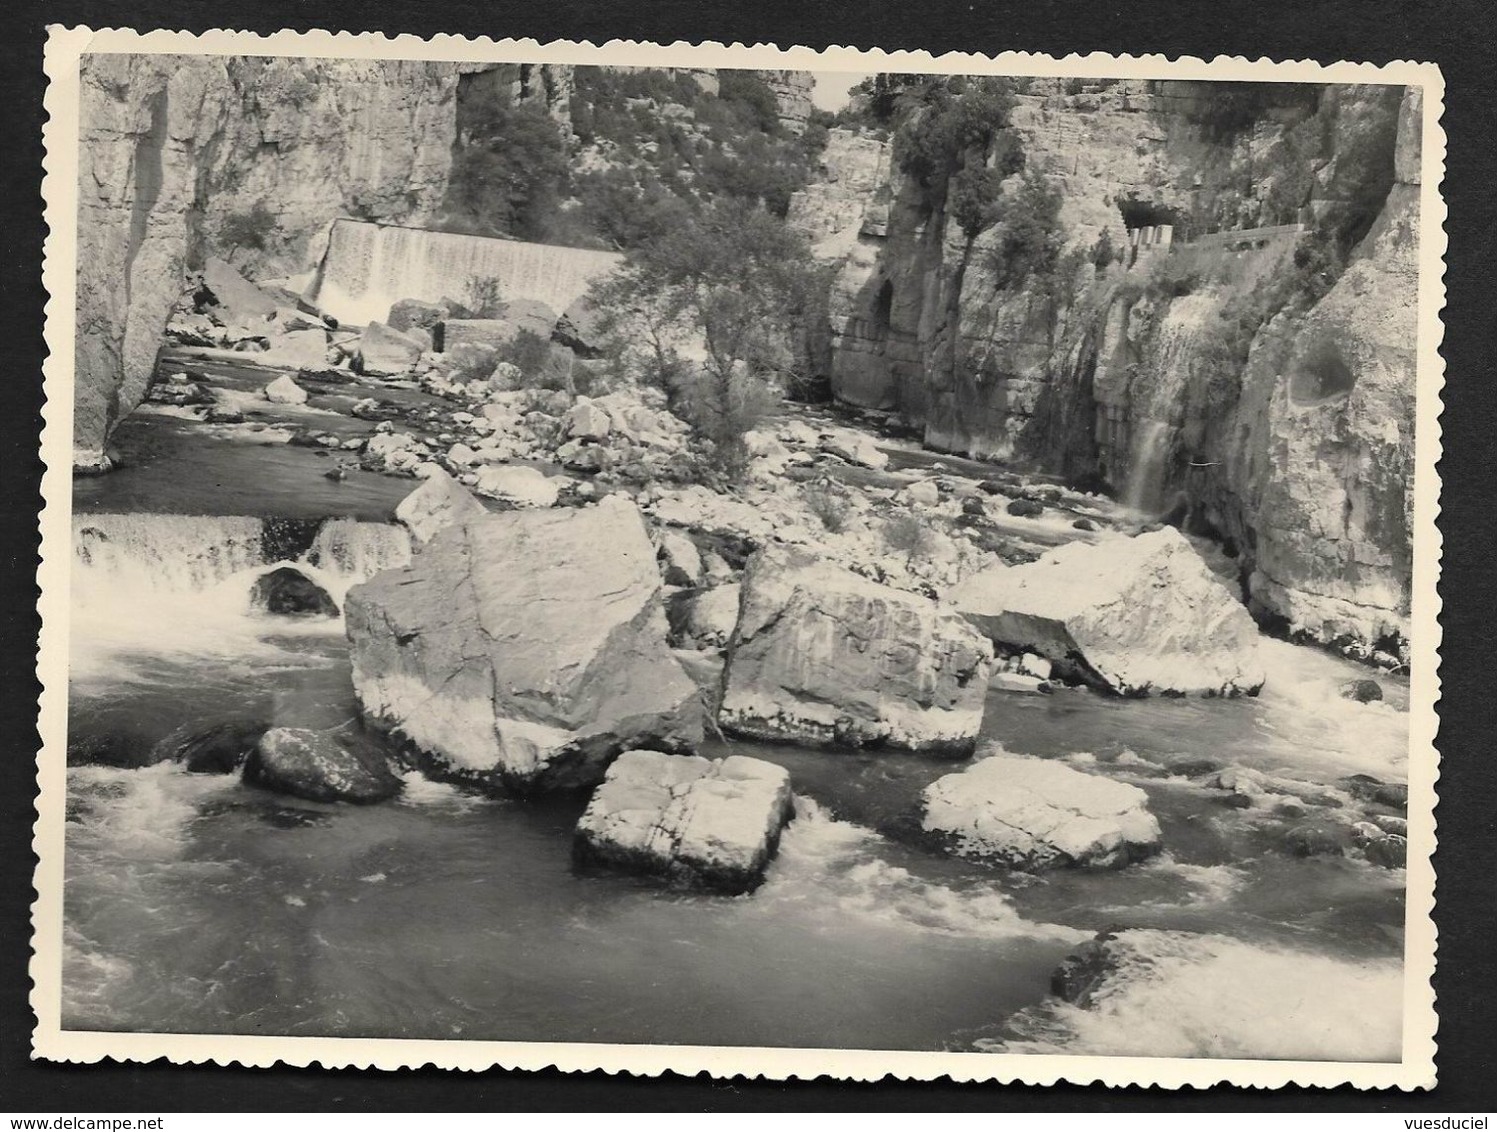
195 903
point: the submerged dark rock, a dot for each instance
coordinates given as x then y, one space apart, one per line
1363 691
321 766
288 591
218 749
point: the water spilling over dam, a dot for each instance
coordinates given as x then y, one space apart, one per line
368 267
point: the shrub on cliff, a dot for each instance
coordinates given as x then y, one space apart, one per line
1029 237
246 228
508 170
949 128
714 312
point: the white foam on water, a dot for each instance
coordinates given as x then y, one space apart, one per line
424 792
137 815
177 588
1178 994
1314 727
838 868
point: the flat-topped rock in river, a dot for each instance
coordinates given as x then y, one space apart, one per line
821 655
524 649
695 822
1039 814
1138 616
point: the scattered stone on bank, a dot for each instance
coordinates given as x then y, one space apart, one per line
586 421
524 649
694 822
284 391
1033 814
518 484
823 656
439 502
288 592
921 493
321 766
1135 616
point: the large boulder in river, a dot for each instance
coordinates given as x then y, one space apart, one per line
321 766
1135 616
823 656
524 649
385 352
1038 814
695 822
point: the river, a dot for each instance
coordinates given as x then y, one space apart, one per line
197 904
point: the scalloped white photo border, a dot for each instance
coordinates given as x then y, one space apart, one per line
66 46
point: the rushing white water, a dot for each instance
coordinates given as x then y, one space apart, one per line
845 866
369 267
1177 994
179 585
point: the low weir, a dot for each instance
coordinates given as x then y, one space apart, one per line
368 267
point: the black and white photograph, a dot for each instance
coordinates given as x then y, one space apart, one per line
699 563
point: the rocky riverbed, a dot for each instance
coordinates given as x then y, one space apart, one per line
413 705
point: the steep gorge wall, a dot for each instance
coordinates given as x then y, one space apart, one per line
174 148
1297 449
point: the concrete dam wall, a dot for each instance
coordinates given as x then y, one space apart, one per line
370 266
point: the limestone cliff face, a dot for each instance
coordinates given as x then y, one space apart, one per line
1291 438
177 150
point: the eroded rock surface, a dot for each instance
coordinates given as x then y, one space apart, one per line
524 649
821 655
695 822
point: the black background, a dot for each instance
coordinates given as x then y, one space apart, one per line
1457 35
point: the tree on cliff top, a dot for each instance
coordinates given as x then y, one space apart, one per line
955 142
715 312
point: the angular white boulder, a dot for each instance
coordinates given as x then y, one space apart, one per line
519 484
386 352
284 391
439 502
1038 814
821 655
854 447
694 822
586 421
524 649
1137 616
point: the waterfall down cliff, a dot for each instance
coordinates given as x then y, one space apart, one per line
368 267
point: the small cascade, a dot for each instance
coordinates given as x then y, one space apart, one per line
116 555
182 585
347 551
369 267
1150 450
1156 398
